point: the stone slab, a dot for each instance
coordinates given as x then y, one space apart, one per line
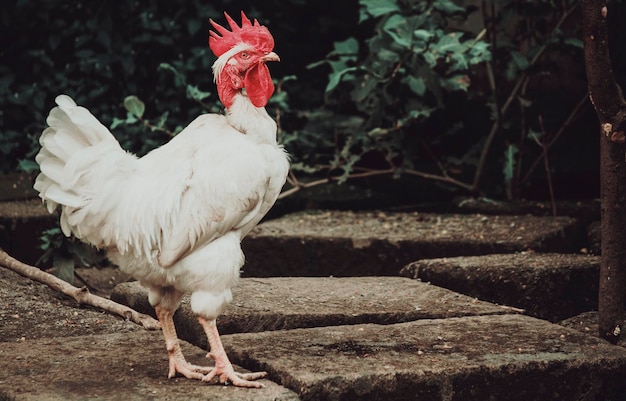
51 348
494 357
549 286
281 303
318 243
113 366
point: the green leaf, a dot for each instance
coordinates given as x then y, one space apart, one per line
388 56
376 8
423 35
479 52
575 42
417 85
509 163
449 44
161 122
430 58
458 62
348 46
521 62
338 65
448 7
378 131
130 118
134 106
415 114
456 82
396 27
116 123
28 165
193 92
335 78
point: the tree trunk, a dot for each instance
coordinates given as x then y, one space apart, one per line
610 107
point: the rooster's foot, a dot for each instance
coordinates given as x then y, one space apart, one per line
190 371
227 375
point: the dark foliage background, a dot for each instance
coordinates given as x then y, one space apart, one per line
100 52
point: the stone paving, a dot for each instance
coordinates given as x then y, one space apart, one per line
550 286
337 338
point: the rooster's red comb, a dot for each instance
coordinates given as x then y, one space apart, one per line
253 34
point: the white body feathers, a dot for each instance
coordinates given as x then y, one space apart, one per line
174 218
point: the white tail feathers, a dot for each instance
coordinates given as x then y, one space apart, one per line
76 150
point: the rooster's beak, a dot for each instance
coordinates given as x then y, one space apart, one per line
271 56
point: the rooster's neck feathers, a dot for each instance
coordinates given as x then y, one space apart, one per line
252 121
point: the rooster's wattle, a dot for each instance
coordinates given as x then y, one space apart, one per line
175 218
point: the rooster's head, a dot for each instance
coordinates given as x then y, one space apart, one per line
241 56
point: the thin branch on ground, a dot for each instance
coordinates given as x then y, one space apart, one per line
80 295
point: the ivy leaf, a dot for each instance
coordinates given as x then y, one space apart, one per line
448 7
335 78
116 123
415 114
423 35
134 106
388 56
479 52
376 8
28 165
417 85
348 46
457 82
193 92
449 44
396 28
430 58
458 62
378 131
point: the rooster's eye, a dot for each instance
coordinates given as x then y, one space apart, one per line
244 55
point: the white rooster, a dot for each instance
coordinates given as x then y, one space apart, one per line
175 218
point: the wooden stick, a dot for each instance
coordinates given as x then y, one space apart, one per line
80 295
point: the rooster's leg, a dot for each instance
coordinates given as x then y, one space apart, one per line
223 368
177 362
